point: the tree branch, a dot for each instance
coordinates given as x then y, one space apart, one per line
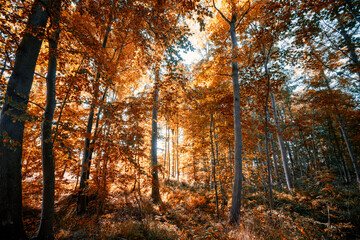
242 17
222 15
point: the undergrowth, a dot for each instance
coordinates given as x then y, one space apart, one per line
317 209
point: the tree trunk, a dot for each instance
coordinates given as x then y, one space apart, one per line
296 155
12 122
237 186
347 142
46 229
354 14
275 159
86 161
302 138
5 63
337 151
292 169
313 142
173 152
284 158
212 128
168 148
352 52
56 132
165 154
85 165
271 199
177 152
350 151
155 192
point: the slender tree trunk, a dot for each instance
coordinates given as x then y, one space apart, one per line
352 11
168 148
347 142
173 152
85 164
237 186
297 158
12 122
238 176
212 128
313 141
266 126
177 151
352 51
284 158
46 229
337 150
5 62
260 164
350 151
165 155
86 161
307 148
275 158
345 162
56 132
292 169
97 130
155 190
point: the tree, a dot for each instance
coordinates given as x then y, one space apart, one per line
86 161
48 163
237 186
284 158
12 120
155 192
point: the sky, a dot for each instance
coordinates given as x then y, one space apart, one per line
191 57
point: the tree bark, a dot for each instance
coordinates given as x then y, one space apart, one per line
284 158
237 186
155 189
212 128
275 159
46 229
12 122
271 199
238 176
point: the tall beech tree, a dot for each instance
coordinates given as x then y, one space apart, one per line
234 22
46 230
155 189
12 121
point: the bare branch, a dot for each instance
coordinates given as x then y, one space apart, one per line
37 105
222 15
242 17
326 66
38 74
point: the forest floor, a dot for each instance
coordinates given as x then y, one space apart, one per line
316 210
